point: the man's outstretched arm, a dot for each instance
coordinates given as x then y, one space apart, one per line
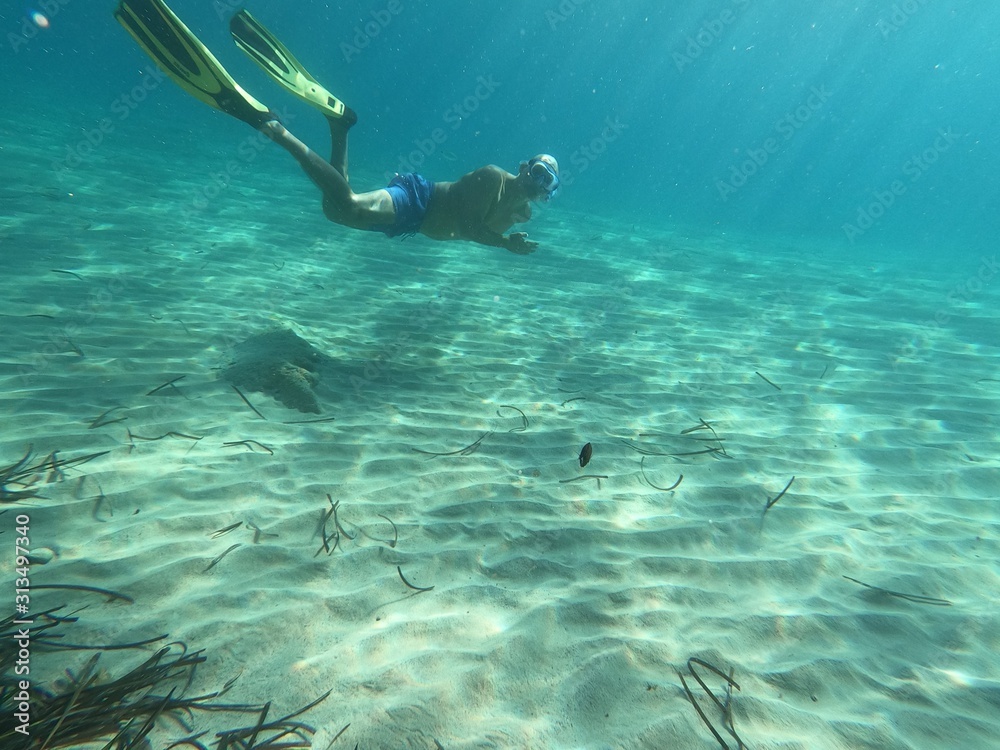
516 242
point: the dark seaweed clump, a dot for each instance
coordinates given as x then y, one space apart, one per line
120 713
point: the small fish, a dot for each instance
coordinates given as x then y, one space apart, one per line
585 453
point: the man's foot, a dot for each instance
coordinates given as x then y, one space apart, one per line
346 121
278 133
261 120
273 129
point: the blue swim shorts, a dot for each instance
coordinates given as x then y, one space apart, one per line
411 193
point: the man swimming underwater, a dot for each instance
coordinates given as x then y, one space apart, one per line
478 207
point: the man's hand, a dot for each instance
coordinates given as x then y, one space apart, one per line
518 242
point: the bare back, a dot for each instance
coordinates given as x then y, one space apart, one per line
480 206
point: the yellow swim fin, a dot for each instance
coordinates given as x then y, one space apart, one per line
179 53
274 58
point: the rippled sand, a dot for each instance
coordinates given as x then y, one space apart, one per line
561 611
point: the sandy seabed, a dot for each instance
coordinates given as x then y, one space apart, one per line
561 611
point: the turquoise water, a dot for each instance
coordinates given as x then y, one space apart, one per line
777 221
695 92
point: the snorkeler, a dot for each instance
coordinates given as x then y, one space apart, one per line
478 207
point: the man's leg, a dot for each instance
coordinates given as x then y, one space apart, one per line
339 201
338 145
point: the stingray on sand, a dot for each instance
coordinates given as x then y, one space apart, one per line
279 364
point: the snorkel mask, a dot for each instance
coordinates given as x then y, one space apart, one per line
544 176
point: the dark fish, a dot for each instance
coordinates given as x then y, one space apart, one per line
585 453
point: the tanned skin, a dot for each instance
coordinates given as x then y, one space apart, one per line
478 207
